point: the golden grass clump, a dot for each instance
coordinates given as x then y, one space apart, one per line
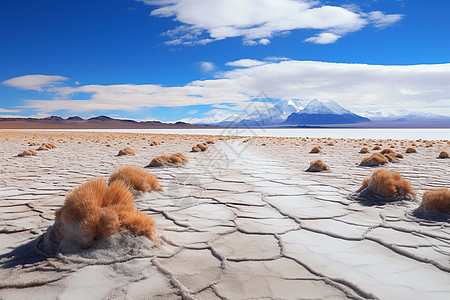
389 185
46 146
155 143
28 153
210 142
33 144
317 166
196 149
364 150
443 154
315 150
391 158
101 210
127 151
388 151
376 148
177 158
437 199
374 160
399 155
202 147
411 150
137 178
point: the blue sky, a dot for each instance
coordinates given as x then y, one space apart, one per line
175 59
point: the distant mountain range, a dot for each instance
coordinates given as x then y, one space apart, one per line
100 122
284 114
291 113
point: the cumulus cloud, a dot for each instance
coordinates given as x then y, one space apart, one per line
193 112
34 82
358 87
256 21
323 38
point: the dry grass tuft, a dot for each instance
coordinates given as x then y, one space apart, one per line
317 166
411 150
137 178
177 158
391 158
315 150
443 154
28 153
47 146
374 160
196 149
389 185
376 148
210 142
399 155
388 151
155 143
101 210
202 147
364 150
127 151
437 199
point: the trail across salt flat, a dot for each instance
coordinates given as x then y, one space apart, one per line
236 225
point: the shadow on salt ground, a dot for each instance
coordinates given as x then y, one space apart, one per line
22 255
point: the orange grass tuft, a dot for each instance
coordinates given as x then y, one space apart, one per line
389 185
374 160
391 158
399 155
137 178
28 153
196 149
317 166
437 199
315 150
443 154
411 150
177 158
210 142
364 150
376 148
103 210
388 151
127 151
202 147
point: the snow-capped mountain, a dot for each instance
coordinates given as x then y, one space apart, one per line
275 114
316 106
318 113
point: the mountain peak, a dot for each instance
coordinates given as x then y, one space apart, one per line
316 106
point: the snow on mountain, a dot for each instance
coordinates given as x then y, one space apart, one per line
316 106
277 113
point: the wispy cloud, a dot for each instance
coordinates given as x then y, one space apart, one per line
207 66
4 110
355 86
257 21
35 82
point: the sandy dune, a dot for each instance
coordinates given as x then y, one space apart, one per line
241 220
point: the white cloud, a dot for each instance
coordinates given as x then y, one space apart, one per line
4 110
193 112
358 87
34 82
256 21
381 20
245 63
323 38
207 66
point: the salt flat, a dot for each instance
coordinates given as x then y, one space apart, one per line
241 220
